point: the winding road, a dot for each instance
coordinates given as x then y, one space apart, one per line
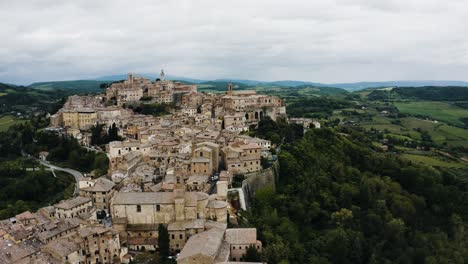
78 175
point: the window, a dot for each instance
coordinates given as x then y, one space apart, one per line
158 207
138 208
173 237
181 236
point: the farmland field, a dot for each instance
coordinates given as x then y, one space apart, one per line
442 111
434 161
7 121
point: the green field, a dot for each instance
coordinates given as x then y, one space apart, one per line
7 121
434 161
440 133
442 111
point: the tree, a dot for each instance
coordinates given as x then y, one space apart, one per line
113 133
96 134
252 254
163 241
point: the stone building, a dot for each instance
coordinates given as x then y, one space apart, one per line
138 215
99 190
235 122
91 245
239 239
218 245
73 207
81 119
240 158
197 183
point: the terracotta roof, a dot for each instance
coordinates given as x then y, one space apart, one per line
206 243
73 202
216 204
101 185
144 198
25 215
62 247
142 241
242 236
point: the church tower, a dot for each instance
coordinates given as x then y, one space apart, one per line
161 75
229 89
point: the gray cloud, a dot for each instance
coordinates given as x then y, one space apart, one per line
322 41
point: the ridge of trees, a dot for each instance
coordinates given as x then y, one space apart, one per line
337 201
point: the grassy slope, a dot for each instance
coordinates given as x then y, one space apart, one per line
7 121
434 161
442 111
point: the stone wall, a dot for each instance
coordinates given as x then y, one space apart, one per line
255 180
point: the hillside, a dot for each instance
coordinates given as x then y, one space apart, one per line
27 101
432 93
351 86
337 201
78 86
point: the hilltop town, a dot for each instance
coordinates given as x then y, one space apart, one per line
169 170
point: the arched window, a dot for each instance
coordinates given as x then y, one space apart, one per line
138 208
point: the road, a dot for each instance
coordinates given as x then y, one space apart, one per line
78 175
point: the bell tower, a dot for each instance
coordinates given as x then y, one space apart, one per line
229 92
162 75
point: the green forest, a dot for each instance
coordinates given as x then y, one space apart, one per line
24 185
338 201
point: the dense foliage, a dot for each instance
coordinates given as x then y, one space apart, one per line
150 108
278 131
100 137
25 138
317 106
22 190
163 241
449 93
29 101
339 202
430 93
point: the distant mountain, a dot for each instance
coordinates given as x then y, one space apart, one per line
92 85
363 85
348 86
149 76
298 83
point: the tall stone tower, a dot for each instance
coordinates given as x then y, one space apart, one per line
130 78
229 92
179 193
161 75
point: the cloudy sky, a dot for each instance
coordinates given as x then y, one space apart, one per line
322 41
